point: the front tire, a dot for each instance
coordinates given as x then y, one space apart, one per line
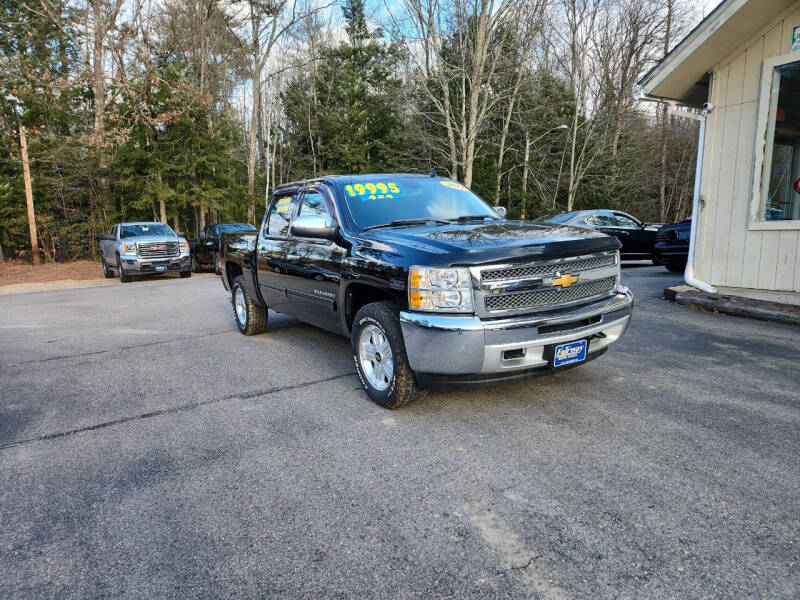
251 318
185 274
380 356
122 276
195 264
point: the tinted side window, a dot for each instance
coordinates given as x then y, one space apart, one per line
601 220
314 204
626 222
280 215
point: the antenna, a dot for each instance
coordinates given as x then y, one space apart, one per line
433 172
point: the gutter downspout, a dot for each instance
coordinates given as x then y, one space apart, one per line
699 115
688 274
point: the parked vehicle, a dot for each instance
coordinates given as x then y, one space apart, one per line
205 248
143 249
637 238
430 284
672 246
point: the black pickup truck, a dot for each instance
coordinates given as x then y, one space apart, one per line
430 283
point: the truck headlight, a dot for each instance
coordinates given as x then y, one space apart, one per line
440 290
184 245
129 248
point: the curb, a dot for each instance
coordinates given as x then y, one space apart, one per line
737 306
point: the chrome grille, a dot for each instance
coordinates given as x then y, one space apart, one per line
550 296
158 249
535 271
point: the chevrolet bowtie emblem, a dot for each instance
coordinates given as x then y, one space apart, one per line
566 280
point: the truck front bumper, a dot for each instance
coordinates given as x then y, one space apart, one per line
134 265
509 347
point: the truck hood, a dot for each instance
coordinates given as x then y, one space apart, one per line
483 243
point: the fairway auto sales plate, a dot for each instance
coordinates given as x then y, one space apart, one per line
569 353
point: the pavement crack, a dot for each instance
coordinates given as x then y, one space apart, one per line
516 567
117 349
172 410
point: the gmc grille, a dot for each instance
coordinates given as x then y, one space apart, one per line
550 297
535 271
158 249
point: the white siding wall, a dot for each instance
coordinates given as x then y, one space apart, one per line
728 254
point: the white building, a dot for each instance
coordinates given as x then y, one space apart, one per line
742 63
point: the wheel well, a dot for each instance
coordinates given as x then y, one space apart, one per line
232 271
358 295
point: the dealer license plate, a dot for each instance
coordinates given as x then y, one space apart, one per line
570 353
161 268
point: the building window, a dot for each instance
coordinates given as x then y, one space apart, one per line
780 199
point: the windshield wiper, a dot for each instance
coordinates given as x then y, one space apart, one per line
401 222
465 218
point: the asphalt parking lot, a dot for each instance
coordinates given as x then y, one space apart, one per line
149 449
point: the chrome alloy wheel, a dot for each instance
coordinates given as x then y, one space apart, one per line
375 356
240 305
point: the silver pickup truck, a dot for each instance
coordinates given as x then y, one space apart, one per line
143 249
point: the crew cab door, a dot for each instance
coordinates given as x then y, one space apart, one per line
313 266
271 251
108 246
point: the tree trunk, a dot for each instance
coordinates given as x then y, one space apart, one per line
162 206
572 173
99 91
525 171
503 136
26 173
254 117
2 256
98 75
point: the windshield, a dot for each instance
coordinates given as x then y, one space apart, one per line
562 218
141 229
381 200
234 227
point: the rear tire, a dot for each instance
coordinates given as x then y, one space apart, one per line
122 276
251 318
674 266
386 376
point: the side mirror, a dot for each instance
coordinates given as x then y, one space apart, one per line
179 233
312 226
501 210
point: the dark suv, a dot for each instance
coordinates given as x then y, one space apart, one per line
672 246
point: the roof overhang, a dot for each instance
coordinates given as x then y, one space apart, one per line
683 74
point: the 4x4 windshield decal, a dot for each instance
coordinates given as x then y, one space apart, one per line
453 185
